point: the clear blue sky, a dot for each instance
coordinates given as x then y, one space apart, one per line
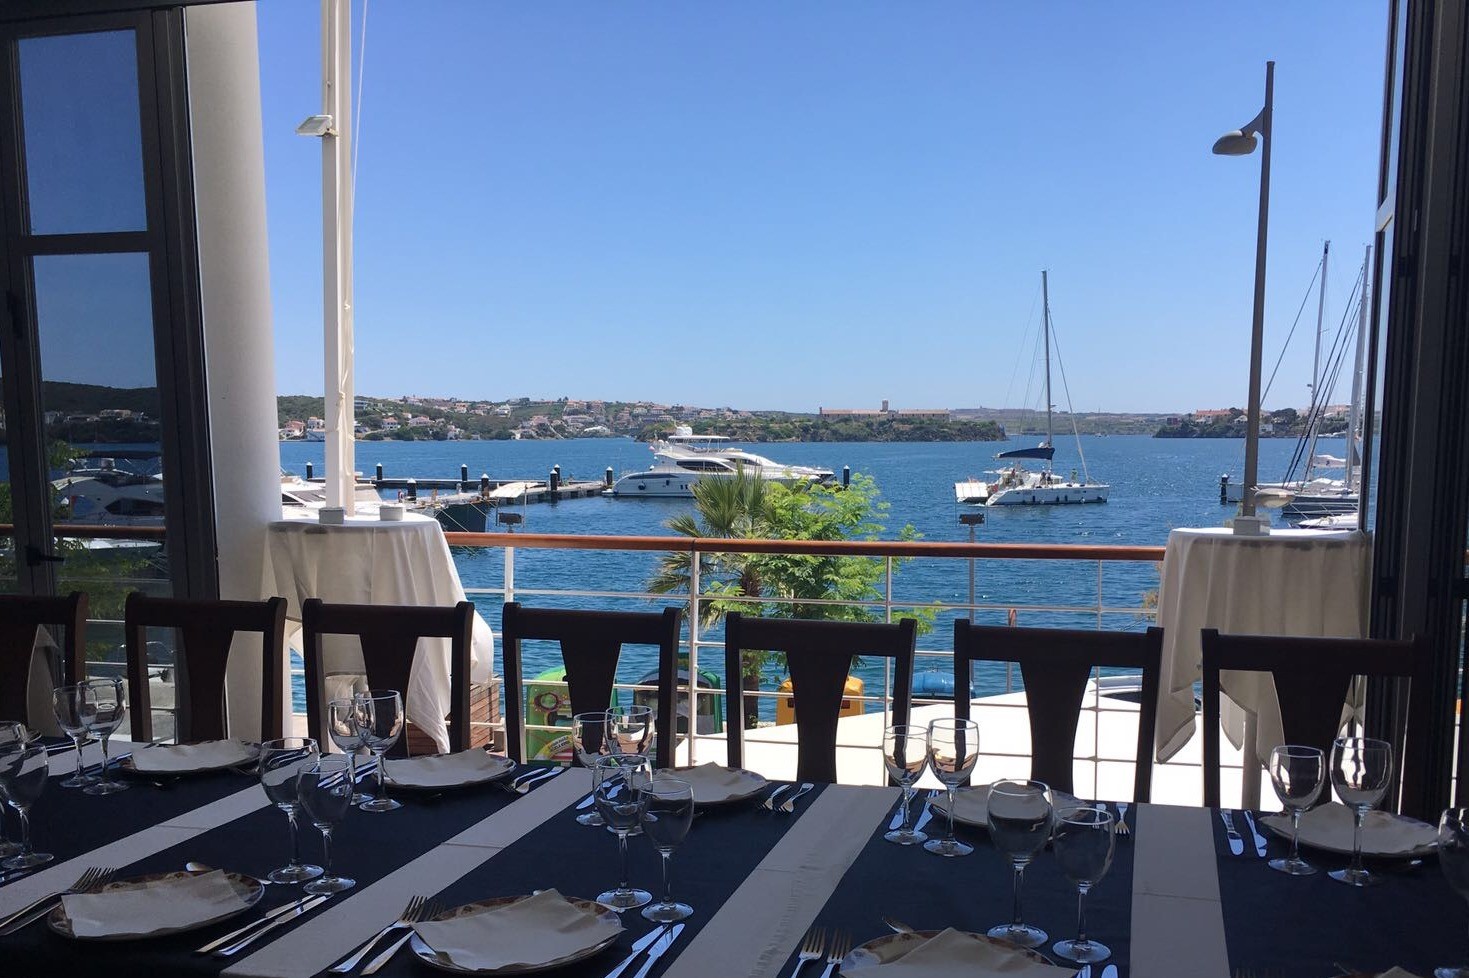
776 205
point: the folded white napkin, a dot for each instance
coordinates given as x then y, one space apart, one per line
1330 827
972 804
165 905
953 952
446 770
166 758
714 783
534 931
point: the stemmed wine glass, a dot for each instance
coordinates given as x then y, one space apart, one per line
103 710
11 732
616 779
1020 826
1083 838
281 763
346 733
629 730
588 743
380 718
953 749
69 703
667 812
325 789
24 768
905 751
1298 774
1360 772
1453 858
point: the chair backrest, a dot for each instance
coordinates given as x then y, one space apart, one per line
1313 677
21 619
206 630
819 656
1055 665
389 635
591 643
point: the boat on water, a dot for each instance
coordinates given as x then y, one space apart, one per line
118 487
466 511
1017 485
683 458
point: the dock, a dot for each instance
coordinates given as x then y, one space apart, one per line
495 492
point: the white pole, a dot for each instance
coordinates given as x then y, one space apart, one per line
336 219
1354 418
1318 396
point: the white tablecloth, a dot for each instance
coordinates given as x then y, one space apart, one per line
368 561
1292 582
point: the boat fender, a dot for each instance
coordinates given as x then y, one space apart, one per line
548 701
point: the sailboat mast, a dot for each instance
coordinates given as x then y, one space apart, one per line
1318 406
1354 417
1046 307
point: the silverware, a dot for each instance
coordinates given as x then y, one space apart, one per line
1122 827
812 948
431 910
525 782
664 943
591 799
92 879
96 766
926 815
1236 844
411 914
769 803
294 910
638 947
789 805
897 926
241 932
901 815
841 943
1259 839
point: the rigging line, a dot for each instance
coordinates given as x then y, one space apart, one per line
1286 345
1305 449
357 104
1066 389
1020 353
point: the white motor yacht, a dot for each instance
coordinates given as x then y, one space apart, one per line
97 489
683 458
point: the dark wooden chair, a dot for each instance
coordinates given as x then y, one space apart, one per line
205 630
819 656
591 643
1055 664
389 635
1312 679
21 619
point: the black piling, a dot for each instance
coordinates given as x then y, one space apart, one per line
555 482
607 477
846 476
412 488
463 476
379 472
308 471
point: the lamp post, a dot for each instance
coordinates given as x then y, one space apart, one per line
1242 142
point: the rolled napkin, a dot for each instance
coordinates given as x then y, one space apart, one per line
176 758
715 783
530 932
1330 827
952 952
159 906
447 770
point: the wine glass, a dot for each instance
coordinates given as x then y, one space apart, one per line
667 812
1360 772
325 790
629 730
1298 774
616 779
69 704
905 751
346 733
588 742
1020 826
1453 858
380 717
281 763
11 732
953 749
24 769
1083 839
103 709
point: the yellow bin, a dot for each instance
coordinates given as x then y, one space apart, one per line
785 706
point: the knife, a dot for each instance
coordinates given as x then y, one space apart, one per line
591 799
638 947
900 816
925 816
1236 844
305 906
664 943
1259 839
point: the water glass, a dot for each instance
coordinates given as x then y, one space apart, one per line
1298 774
1083 838
380 718
346 733
1453 858
69 704
616 780
588 743
281 764
1020 827
953 749
629 730
667 812
905 752
103 709
1360 772
24 768
325 790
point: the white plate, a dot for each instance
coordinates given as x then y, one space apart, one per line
751 785
126 764
427 955
475 771
1372 847
893 947
972 806
249 888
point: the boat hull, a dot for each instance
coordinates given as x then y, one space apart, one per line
675 485
1060 494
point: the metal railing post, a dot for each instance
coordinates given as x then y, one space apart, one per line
509 574
887 664
694 653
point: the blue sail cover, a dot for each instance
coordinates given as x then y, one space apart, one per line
1040 451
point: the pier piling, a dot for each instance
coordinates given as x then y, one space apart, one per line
464 476
308 471
846 476
607 477
379 472
412 488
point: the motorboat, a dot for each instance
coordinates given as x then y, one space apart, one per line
115 487
683 458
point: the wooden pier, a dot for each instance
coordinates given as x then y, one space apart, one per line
497 492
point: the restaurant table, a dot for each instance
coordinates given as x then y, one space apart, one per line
371 561
1291 582
1175 903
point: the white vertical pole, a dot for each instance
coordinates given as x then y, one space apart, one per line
336 219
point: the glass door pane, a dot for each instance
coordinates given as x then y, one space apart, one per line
9 583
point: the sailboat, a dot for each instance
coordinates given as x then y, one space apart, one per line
1020 486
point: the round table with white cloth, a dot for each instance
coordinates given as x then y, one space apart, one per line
371 561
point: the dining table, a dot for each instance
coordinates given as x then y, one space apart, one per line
1178 901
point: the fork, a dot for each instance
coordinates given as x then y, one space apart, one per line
812 949
769 803
789 805
1122 827
411 914
430 910
841 943
94 878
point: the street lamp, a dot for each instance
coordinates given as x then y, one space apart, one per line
1242 142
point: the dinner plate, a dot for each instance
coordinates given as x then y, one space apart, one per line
495 769
887 949
973 805
126 764
1280 825
249 888
428 956
755 785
